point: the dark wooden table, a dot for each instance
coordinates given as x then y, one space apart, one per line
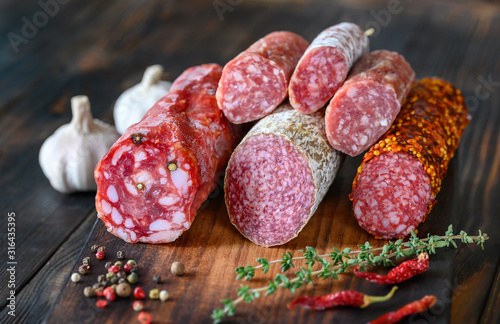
100 48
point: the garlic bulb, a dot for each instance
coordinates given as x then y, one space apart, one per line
133 104
69 156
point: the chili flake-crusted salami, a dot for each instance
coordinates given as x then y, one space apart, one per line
324 66
365 106
156 176
255 82
278 175
400 176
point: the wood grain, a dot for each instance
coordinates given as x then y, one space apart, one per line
101 48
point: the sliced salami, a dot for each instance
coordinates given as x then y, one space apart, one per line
368 102
278 175
158 173
324 66
401 174
255 82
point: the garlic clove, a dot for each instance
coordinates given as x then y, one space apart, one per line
69 156
134 103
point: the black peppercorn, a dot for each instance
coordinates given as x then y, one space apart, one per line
83 269
94 248
157 279
101 248
108 264
86 261
120 255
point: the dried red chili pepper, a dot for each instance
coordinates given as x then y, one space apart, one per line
415 307
402 272
342 298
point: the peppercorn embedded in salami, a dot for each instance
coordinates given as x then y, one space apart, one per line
156 176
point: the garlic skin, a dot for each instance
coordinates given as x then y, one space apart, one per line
133 104
69 156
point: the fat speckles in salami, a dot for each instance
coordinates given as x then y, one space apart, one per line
255 82
160 171
324 66
365 106
278 175
401 174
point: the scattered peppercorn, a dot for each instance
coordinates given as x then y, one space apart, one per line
101 278
75 277
101 303
110 275
122 280
86 261
89 292
105 283
177 268
121 274
157 279
144 318
139 293
163 295
154 294
114 268
418 306
94 248
114 281
100 255
107 265
127 267
83 269
96 285
132 263
123 290
118 264
109 294
120 255
137 305
133 278
101 248
99 291
402 272
134 270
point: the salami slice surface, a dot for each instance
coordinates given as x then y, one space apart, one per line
159 172
255 82
400 176
324 66
278 175
368 102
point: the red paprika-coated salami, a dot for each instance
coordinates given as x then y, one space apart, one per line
400 176
365 106
324 66
255 82
159 172
278 175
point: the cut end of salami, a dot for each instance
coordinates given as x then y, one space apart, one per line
269 187
354 122
251 87
317 78
391 196
155 210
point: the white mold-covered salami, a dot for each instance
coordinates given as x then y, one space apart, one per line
324 66
278 175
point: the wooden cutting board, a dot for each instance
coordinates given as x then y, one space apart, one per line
213 248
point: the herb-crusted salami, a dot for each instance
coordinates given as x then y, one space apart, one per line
368 102
159 172
401 174
324 66
278 175
255 82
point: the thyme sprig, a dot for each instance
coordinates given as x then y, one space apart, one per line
335 263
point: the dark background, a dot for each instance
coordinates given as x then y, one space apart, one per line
100 48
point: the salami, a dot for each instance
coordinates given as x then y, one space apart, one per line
255 82
368 102
324 66
278 175
158 173
400 176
